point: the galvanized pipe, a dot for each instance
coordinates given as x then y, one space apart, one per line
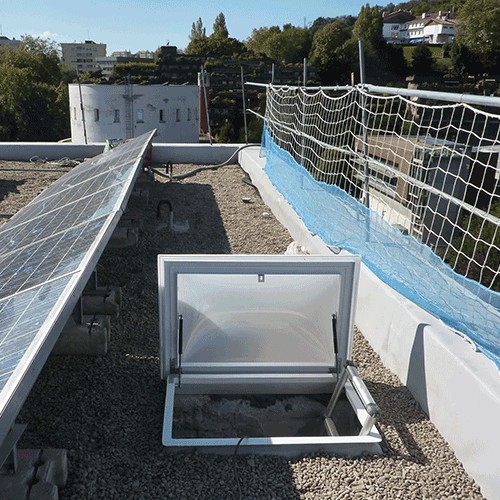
477 100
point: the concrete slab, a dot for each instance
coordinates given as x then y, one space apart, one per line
54 468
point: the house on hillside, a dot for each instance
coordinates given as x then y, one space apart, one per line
403 27
394 26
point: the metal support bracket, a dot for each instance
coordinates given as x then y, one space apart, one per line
8 449
350 372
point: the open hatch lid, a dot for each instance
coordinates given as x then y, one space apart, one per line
256 313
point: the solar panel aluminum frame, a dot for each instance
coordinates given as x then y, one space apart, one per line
16 389
243 377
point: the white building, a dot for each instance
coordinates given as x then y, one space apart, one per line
82 56
124 111
394 26
402 27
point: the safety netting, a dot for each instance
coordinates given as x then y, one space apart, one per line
327 168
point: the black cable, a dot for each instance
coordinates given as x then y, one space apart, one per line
201 169
235 469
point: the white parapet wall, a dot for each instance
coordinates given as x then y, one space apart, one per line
199 154
456 386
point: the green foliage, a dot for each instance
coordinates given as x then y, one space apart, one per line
88 77
225 133
462 61
217 44
258 42
480 30
220 28
290 45
419 7
325 42
347 22
33 95
138 71
422 62
255 127
197 30
368 26
476 251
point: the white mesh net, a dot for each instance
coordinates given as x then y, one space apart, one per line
431 172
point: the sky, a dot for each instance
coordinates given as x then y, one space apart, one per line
137 25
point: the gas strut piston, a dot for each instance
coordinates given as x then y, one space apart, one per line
181 323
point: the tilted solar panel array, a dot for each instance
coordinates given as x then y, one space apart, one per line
47 252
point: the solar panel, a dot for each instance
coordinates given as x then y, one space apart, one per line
48 251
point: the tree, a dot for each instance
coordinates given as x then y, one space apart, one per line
325 42
479 30
258 41
291 45
197 30
217 44
33 93
463 63
368 26
422 62
220 29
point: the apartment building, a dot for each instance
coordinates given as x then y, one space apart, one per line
82 56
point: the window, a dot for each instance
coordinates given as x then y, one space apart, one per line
96 115
189 114
117 115
140 116
74 113
162 115
177 115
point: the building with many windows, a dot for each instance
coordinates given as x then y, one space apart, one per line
124 111
82 56
403 27
395 25
107 63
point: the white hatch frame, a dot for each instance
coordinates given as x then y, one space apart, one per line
214 340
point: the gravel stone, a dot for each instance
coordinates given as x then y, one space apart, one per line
108 411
